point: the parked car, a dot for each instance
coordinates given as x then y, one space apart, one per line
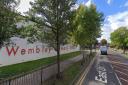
103 50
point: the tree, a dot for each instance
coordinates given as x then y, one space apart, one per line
120 38
52 16
8 17
96 44
87 26
103 42
31 32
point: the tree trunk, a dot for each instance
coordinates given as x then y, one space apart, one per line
58 44
0 44
95 48
83 58
90 49
123 49
58 55
58 62
82 53
91 45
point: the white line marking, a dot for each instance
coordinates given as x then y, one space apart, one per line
120 68
121 72
100 79
119 63
116 76
124 80
102 74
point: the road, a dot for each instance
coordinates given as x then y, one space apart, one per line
120 66
111 69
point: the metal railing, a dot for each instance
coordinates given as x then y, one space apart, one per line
35 77
38 76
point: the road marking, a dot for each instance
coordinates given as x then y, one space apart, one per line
111 58
102 74
120 68
116 75
80 81
124 80
121 72
118 63
115 61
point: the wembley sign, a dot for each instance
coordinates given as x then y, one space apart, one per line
23 53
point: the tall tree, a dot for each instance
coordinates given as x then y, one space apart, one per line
8 17
120 38
53 17
87 25
103 42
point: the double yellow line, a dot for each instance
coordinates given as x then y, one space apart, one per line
84 74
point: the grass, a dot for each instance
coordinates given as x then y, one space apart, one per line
68 75
11 70
126 55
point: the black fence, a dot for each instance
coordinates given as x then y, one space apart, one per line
36 77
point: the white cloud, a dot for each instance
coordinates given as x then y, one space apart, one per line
109 1
75 7
106 32
113 22
126 4
118 20
24 6
88 3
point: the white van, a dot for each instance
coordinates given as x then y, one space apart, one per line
103 50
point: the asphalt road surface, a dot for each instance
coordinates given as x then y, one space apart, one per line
102 72
120 66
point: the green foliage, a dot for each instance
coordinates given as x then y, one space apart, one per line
31 32
103 42
119 37
87 25
52 16
8 18
69 74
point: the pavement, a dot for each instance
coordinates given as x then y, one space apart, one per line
102 72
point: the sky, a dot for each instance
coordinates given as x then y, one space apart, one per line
115 13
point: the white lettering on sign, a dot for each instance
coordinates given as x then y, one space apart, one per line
102 74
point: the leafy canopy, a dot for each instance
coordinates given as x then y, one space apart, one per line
120 37
103 42
87 25
53 17
8 18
